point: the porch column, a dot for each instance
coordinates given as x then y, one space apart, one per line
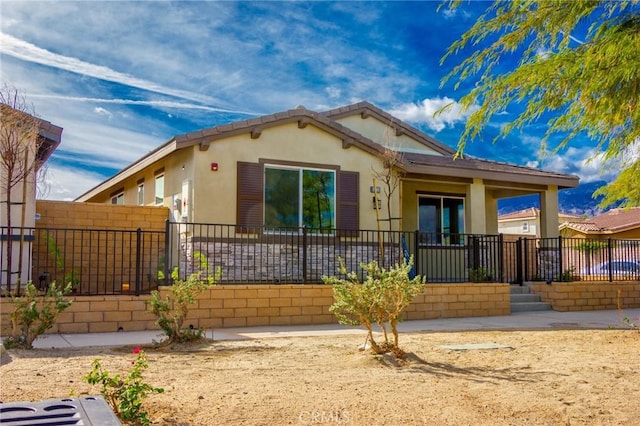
476 209
492 215
549 212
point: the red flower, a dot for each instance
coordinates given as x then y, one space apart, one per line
136 350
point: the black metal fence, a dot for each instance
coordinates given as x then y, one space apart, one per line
305 255
137 261
575 259
96 261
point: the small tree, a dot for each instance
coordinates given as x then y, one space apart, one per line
18 162
35 314
390 177
379 299
173 309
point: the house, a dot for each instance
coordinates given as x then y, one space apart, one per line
326 170
26 143
615 223
526 222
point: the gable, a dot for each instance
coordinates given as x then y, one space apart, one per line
381 127
385 135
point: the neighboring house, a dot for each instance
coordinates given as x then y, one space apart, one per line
23 191
303 168
616 223
527 222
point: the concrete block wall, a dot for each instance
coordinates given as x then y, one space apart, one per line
62 214
263 305
96 243
589 296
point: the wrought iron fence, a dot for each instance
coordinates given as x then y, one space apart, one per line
578 259
305 255
96 261
137 261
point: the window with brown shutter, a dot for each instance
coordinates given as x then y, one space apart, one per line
250 197
250 194
347 201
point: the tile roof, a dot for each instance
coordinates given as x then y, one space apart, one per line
411 164
535 212
473 167
614 220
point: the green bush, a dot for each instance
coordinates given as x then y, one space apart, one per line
125 395
34 314
380 299
173 309
480 275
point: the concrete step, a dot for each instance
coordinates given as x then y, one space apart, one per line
519 289
525 298
530 306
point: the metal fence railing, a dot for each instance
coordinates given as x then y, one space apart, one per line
305 255
96 261
578 259
101 261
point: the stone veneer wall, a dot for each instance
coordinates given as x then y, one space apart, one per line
255 305
589 296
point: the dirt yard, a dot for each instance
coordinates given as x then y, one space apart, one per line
560 377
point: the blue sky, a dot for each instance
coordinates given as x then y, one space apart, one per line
122 78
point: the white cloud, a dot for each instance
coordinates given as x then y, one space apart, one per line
25 51
102 111
66 184
424 112
586 163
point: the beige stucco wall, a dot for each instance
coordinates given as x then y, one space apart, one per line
215 191
23 197
384 135
411 191
515 227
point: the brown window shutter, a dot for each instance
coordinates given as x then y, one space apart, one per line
250 194
347 202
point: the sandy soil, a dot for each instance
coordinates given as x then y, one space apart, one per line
559 377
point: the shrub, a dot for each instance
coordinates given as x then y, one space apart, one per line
125 395
480 275
172 310
34 314
379 299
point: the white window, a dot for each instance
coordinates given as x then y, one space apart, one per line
441 219
141 194
525 227
296 197
118 199
159 199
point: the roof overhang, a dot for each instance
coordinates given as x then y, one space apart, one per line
129 171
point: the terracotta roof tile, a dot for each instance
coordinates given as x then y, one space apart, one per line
612 221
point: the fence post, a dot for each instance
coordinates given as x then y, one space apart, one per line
525 260
416 256
560 262
304 254
519 265
138 259
167 251
501 257
610 256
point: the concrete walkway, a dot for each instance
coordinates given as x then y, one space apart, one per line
542 320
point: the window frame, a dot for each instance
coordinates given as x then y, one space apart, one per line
443 238
140 194
300 168
159 176
118 199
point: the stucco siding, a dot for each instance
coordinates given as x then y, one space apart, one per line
381 133
215 191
